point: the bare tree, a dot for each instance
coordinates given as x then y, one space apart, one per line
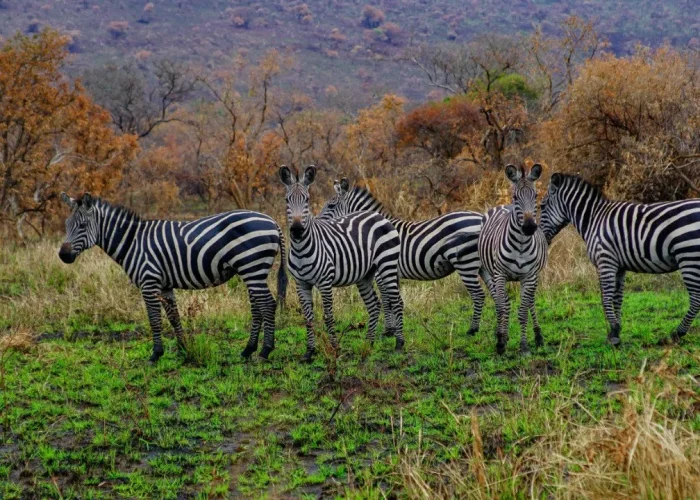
457 69
139 103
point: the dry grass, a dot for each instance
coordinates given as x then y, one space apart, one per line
640 452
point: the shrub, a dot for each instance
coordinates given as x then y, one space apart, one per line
118 29
372 17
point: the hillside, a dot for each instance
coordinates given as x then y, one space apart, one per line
333 41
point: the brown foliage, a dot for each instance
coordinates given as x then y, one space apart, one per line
372 17
633 124
52 136
118 29
442 129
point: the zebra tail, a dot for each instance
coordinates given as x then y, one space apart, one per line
282 280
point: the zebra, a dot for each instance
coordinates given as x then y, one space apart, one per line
622 236
513 248
161 255
355 249
429 248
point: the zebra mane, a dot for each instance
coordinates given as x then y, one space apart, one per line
369 201
579 181
118 209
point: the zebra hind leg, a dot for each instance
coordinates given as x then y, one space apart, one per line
369 297
691 278
269 307
173 315
389 326
471 283
389 287
256 323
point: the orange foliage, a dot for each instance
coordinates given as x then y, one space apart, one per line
52 136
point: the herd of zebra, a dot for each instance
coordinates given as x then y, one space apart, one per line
355 241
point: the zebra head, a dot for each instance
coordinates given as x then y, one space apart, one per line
525 196
555 215
336 206
81 227
298 212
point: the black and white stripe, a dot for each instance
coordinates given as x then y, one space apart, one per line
620 236
429 248
160 256
355 249
513 248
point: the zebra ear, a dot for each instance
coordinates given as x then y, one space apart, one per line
513 173
344 185
555 181
68 200
286 176
86 200
535 172
309 175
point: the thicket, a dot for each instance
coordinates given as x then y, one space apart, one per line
165 139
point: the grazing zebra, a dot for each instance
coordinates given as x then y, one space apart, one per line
159 256
354 249
429 249
620 236
513 248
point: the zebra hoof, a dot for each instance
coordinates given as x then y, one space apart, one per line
500 349
525 353
308 356
248 351
265 352
389 332
157 354
539 342
671 340
614 341
472 331
399 344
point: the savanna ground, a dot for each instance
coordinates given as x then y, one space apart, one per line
83 415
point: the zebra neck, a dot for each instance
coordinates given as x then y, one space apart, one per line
584 210
118 229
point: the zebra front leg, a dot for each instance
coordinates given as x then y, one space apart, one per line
608 288
305 293
327 300
369 297
500 297
152 298
619 295
471 283
527 305
173 315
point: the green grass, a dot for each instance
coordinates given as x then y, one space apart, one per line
89 418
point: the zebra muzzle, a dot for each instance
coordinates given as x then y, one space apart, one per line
529 226
66 253
296 230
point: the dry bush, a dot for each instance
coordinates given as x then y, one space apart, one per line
372 17
118 29
631 124
640 452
